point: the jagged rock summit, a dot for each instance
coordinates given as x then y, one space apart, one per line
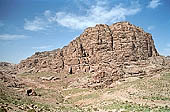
103 50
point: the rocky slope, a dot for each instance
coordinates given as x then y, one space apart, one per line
109 52
116 57
7 68
8 75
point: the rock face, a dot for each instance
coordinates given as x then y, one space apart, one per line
104 50
7 68
8 75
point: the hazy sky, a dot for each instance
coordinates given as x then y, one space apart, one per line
28 26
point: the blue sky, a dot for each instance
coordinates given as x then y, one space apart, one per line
28 26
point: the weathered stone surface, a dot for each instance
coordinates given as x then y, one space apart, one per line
7 68
8 75
110 52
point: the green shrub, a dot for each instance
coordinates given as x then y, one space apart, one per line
3 110
31 110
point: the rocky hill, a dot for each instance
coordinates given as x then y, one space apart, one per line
106 69
7 68
109 52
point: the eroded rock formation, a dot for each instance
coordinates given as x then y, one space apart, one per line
109 51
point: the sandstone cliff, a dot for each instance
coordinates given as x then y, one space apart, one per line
108 51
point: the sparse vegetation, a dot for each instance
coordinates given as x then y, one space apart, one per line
73 91
74 99
83 97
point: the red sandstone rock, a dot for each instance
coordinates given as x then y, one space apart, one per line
110 51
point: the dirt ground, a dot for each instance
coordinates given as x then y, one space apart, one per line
59 94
